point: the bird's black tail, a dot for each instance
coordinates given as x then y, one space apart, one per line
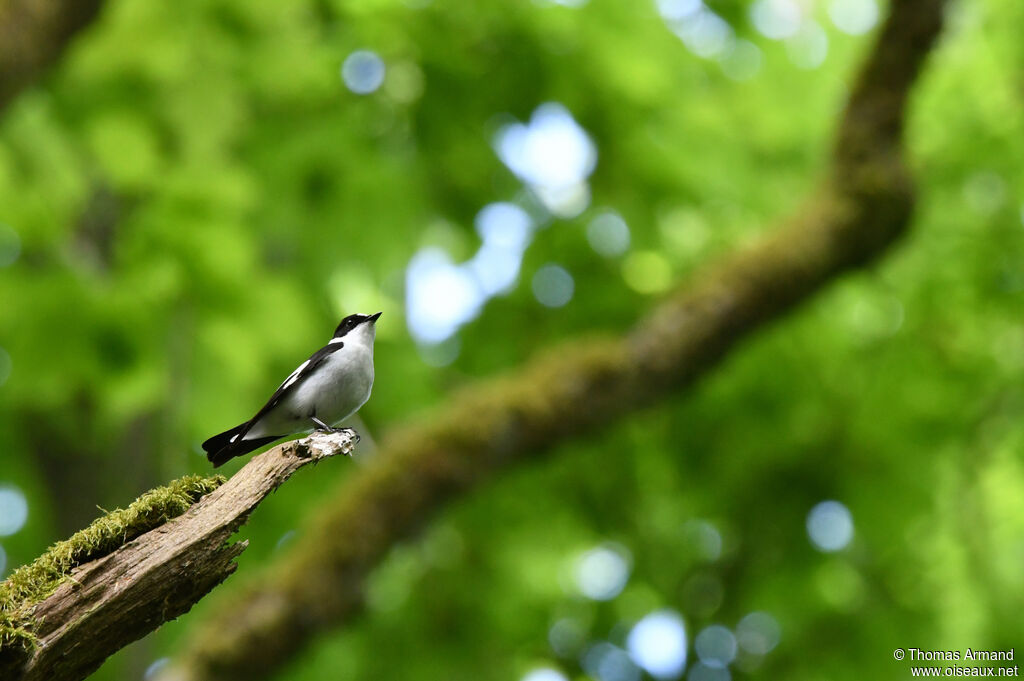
220 449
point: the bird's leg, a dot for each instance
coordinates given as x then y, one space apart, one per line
320 425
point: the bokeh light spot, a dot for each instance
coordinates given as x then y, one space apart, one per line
602 572
10 245
715 646
566 201
154 669
685 231
776 19
566 637
506 231
985 192
809 47
647 272
544 674
840 585
677 10
552 150
404 82
607 662
13 510
705 672
743 61
657 643
440 296
705 539
284 540
854 17
496 269
705 33
830 526
553 155
363 72
553 286
758 633
504 225
874 317
608 234
441 354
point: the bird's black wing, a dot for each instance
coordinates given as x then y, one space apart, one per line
304 371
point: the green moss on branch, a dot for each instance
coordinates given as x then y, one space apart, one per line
30 584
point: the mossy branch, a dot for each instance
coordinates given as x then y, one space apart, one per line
862 207
133 569
30 584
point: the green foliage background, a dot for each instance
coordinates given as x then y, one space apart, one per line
199 199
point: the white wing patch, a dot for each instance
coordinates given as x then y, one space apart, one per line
295 374
336 340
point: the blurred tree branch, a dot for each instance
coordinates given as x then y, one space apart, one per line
863 205
33 34
106 603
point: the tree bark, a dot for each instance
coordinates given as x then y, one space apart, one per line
864 204
119 598
33 35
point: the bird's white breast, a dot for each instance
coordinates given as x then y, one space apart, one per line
338 388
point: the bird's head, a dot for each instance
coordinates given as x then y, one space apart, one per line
364 323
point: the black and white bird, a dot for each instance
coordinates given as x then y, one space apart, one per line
327 388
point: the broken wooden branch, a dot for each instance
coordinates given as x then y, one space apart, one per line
104 604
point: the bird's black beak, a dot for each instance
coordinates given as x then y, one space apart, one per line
373 317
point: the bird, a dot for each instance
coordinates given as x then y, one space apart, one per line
327 388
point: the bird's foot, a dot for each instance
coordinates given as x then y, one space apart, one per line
351 432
